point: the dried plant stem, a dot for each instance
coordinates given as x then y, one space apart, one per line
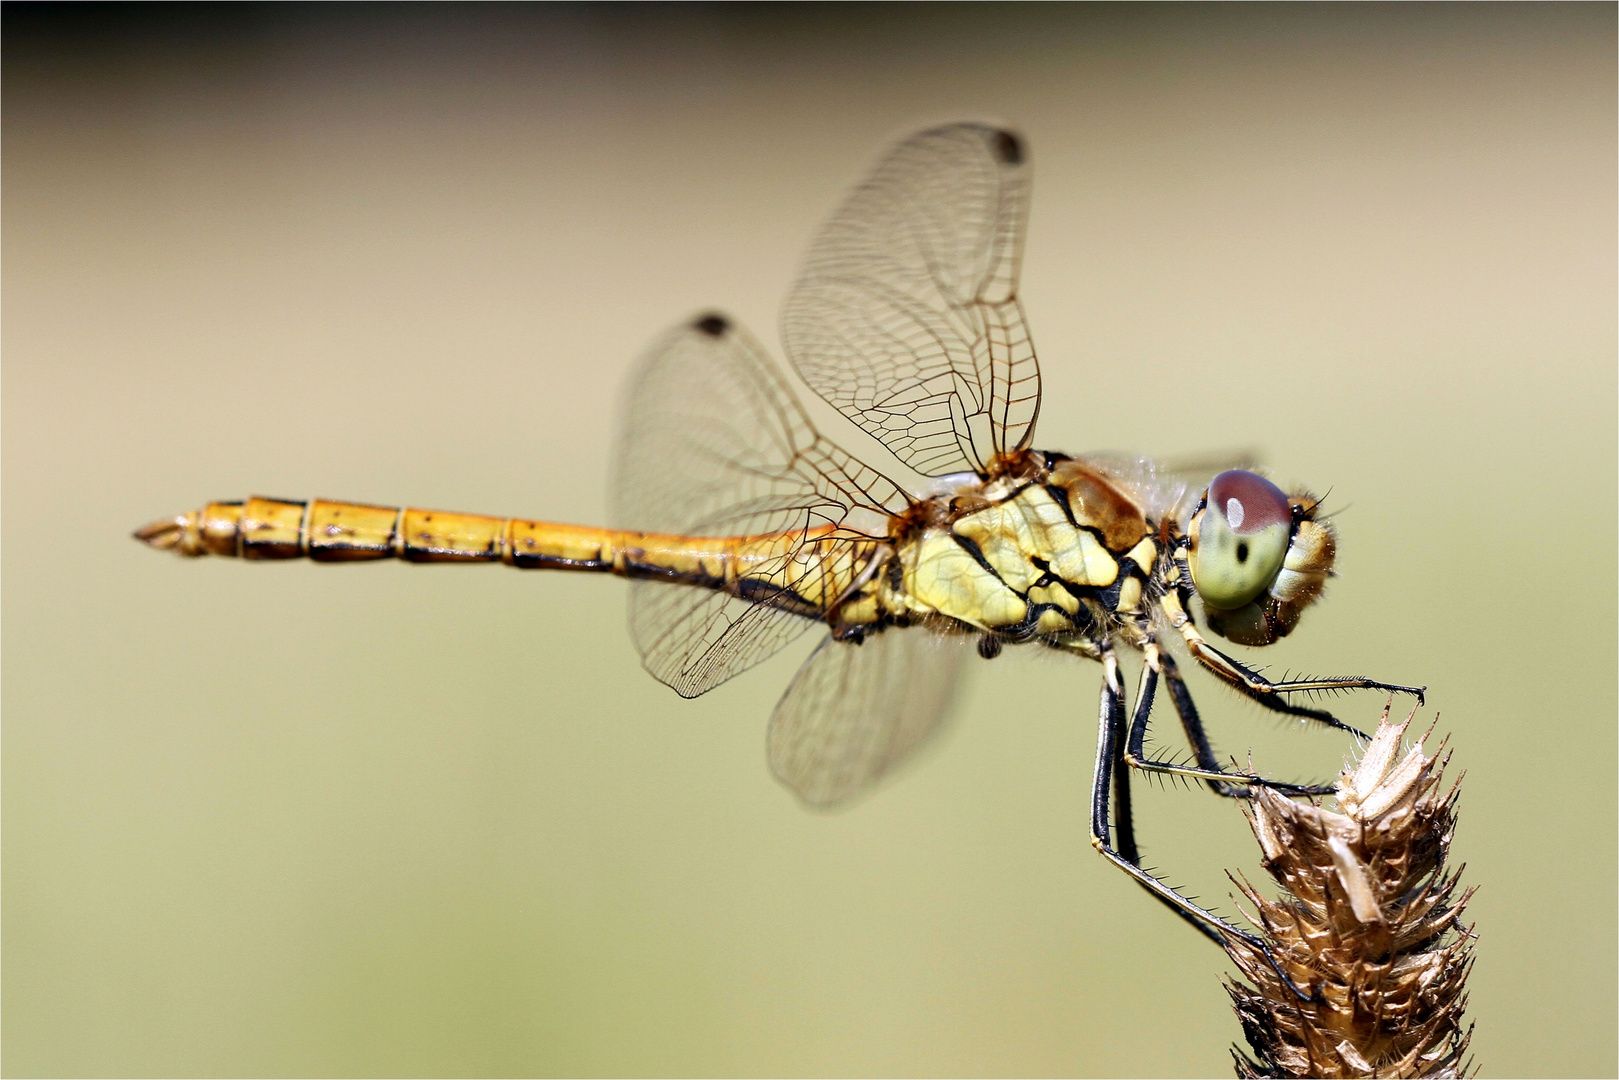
1369 927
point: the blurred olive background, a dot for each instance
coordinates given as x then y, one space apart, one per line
386 819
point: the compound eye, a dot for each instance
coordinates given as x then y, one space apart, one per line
1241 539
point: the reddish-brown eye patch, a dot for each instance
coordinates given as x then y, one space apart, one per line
1248 502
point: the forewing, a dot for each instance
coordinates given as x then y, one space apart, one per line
1198 469
853 712
714 443
1170 487
906 316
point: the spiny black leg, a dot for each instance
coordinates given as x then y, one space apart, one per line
1192 724
1124 826
1272 695
1110 768
1106 750
1109 746
1222 781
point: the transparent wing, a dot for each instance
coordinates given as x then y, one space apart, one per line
853 712
906 316
714 443
1169 487
1198 469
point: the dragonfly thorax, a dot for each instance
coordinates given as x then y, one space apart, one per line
1054 549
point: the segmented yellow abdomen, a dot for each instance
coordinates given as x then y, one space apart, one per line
814 566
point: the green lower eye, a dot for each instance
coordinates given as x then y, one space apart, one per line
1228 570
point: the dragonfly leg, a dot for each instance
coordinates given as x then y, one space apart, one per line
1111 776
1273 695
1223 782
1123 812
1192 724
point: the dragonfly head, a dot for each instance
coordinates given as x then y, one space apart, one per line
1258 557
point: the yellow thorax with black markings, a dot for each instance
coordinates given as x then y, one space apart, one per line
1045 552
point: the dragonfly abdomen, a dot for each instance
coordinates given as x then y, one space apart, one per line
802 570
326 531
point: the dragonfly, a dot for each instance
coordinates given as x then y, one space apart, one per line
740 526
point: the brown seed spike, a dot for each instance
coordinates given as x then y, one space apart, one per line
1369 925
